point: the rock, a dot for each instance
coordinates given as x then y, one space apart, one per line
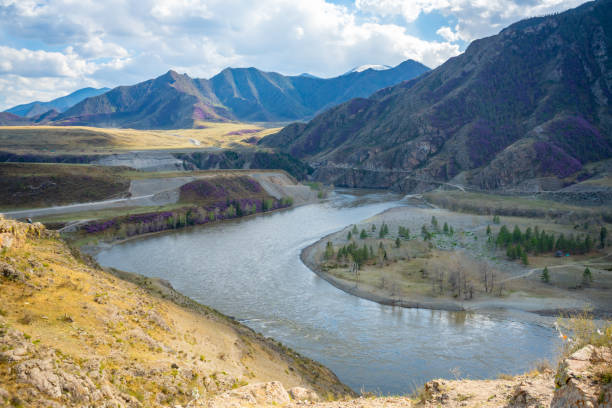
9 272
270 393
303 394
4 395
6 240
577 382
524 397
39 373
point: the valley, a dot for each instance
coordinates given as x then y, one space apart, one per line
229 236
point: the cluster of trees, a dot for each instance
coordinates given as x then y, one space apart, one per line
519 243
403 232
353 253
384 230
138 224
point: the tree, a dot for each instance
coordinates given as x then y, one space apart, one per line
488 230
545 275
434 222
452 231
496 219
587 277
355 231
363 234
524 258
349 236
329 250
373 227
603 235
397 242
445 228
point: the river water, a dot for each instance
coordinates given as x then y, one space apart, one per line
250 269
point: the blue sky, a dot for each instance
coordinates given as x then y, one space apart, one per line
53 47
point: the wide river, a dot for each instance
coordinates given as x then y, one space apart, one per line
250 269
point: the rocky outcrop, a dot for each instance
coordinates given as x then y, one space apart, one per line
583 379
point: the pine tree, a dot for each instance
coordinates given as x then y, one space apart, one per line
488 230
355 230
363 234
587 277
434 222
524 258
445 228
373 227
603 235
397 242
545 275
349 236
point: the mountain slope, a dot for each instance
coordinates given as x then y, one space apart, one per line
169 101
530 102
10 119
254 95
62 104
245 94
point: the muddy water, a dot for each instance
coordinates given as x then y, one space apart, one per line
251 270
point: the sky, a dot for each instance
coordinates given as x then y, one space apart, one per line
51 48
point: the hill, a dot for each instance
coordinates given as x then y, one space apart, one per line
72 334
9 119
516 110
174 101
61 104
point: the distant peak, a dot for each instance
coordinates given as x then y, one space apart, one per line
374 67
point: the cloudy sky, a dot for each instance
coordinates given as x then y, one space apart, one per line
51 48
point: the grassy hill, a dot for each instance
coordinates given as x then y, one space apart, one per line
72 334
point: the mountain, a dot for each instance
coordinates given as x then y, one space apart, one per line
245 94
9 119
530 104
362 68
169 101
29 110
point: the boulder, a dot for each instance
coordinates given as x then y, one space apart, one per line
578 383
303 394
269 393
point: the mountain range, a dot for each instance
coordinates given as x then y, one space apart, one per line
244 94
30 110
529 105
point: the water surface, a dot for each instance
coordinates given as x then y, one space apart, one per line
250 269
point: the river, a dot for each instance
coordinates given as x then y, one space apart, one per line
250 269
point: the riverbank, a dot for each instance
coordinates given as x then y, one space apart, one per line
423 273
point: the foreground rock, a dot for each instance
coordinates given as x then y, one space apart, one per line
583 379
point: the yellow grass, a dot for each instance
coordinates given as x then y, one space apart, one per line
83 139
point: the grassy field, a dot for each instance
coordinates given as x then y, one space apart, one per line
489 204
78 139
41 185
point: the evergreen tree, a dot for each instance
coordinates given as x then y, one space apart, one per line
373 227
451 231
603 235
355 230
349 236
363 234
545 275
397 242
524 258
445 228
434 222
516 234
488 230
587 277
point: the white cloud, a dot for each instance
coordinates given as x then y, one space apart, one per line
121 42
476 18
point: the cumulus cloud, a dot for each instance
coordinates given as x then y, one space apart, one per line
476 18
67 43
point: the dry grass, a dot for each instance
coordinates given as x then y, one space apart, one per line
82 139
